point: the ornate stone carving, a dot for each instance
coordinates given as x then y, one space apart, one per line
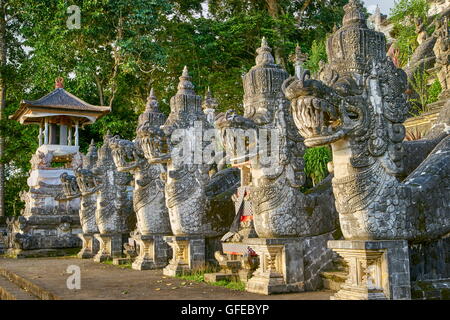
114 211
82 185
360 112
279 208
209 106
198 204
442 51
190 192
148 195
41 160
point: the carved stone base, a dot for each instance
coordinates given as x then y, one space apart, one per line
229 271
280 266
377 269
110 247
188 254
154 252
90 246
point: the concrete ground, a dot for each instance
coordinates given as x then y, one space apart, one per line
101 281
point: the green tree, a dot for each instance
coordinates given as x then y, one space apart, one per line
318 53
316 160
404 15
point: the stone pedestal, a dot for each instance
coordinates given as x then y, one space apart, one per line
154 252
90 246
280 266
110 247
378 270
188 254
229 269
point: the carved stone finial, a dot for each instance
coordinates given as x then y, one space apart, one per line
185 100
185 85
300 57
263 83
209 102
152 113
59 83
91 157
107 136
264 53
354 14
350 47
152 103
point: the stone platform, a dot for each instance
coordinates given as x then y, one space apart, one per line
46 278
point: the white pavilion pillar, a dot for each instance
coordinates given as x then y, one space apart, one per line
40 136
63 134
76 133
45 131
69 136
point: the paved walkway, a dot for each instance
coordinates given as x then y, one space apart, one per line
101 281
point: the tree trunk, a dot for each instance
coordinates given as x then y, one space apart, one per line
3 50
99 89
274 9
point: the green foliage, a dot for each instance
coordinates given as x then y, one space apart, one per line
318 53
419 83
124 47
122 266
404 15
426 94
316 160
233 285
434 91
406 9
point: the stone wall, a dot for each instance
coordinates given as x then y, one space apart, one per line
420 125
317 258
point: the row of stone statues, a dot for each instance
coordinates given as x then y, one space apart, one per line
383 202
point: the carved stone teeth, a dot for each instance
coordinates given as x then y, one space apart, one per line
330 129
317 122
317 104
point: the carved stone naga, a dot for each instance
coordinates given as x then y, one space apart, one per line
358 106
114 213
280 209
199 206
187 180
148 195
83 185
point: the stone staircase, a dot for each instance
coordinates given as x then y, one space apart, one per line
335 276
15 287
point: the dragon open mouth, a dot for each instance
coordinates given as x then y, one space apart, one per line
238 137
318 121
124 154
154 145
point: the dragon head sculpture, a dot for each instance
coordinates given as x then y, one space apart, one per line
126 154
359 97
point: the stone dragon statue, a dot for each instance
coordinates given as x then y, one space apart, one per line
148 195
279 208
88 188
114 212
358 106
83 185
197 203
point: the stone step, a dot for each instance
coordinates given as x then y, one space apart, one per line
339 264
11 291
332 280
26 286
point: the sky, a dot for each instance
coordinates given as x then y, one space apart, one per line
385 5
